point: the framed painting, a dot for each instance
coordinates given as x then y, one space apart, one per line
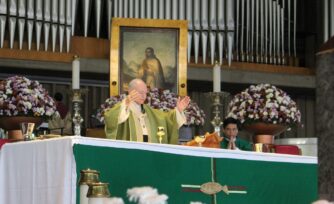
152 50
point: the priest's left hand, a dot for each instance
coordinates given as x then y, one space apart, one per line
182 103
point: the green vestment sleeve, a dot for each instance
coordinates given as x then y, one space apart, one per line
127 129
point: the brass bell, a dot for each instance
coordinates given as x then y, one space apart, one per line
98 190
88 176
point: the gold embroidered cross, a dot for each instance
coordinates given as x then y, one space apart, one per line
212 187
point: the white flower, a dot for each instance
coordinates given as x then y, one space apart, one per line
242 112
275 104
279 99
9 91
269 90
322 202
243 104
146 195
272 114
27 104
270 95
11 106
269 104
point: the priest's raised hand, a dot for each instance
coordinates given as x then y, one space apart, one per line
182 103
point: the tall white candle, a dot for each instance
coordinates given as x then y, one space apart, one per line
76 73
95 200
113 200
83 194
216 77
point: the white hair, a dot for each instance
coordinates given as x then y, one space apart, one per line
134 82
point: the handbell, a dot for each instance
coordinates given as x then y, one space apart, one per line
88 176
98 190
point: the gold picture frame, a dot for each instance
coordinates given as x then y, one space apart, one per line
134 40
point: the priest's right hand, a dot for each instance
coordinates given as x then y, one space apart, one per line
132 97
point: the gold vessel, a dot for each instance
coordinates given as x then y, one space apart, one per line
88 176
98 190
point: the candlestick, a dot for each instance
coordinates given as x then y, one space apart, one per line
216 77
218 101
87 176
97 192
76 73
77 101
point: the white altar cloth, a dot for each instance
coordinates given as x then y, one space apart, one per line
38 172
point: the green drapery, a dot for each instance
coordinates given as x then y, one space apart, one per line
265 182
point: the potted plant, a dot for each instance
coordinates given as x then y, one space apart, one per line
264 110
23 100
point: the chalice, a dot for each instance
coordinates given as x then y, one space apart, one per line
161 133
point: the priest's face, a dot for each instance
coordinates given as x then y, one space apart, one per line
231 130
141 89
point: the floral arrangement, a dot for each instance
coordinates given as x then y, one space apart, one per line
164 100
20 96
264 103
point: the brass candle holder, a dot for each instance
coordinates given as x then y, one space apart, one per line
98 190
88 176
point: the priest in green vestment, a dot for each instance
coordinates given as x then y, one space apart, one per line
231 139
133 120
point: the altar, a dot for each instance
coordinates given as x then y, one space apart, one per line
47 171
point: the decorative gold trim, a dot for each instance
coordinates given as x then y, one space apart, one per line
98 190
89 176
211 188
182 25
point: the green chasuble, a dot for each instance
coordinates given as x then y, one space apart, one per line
127 129
240 143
